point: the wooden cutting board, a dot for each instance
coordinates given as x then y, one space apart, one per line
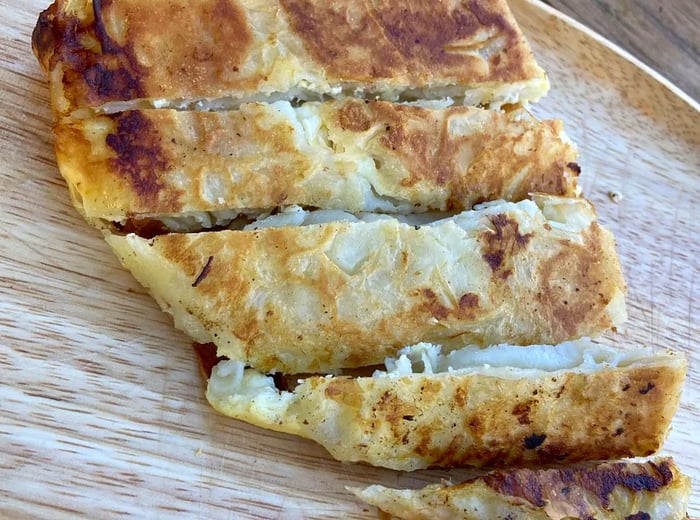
101 405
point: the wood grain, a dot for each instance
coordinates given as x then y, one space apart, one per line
663 34
102 412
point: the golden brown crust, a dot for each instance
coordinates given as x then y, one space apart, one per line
119 50
161 162
613 490
107 50
451 419
419 39
311 298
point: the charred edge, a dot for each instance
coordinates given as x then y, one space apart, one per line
205 271
650 386
640 515
108 44
110 73
540 486
533 441
43 37
574 167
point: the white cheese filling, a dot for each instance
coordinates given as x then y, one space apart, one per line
231 378
579 355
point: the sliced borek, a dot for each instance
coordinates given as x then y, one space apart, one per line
203 168
329 289
499 406
110 56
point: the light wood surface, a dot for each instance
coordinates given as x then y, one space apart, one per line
101 406
663 34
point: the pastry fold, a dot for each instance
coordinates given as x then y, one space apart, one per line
498 407
314 291
204 168
655 489
105 56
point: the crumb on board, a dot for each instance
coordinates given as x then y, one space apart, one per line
615 196
198 453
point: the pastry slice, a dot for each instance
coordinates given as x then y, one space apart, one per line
107 56
303 291
652 490
187 170
498 407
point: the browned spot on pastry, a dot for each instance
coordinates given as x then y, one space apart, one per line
468 301
343 38
345 390
430 389
186 61
469 166
417 31
460 398
418 39
451 455
515 484
538 487
44 38
466 307
436 309
501 244
578 283
108 71
640 515
652 478
574 167
554 451
139 155
424 444
475 425
522 411
353 117
395 411
101 66
648 388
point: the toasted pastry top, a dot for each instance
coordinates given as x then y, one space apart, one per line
102 53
